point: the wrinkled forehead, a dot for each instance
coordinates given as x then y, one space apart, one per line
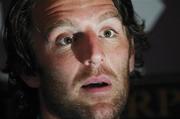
49 11
66 4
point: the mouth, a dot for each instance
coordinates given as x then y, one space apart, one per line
98 84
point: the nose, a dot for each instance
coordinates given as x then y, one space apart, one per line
90 50
95 56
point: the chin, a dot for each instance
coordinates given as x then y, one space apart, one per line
104 111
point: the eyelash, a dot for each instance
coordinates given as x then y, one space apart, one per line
104 33
64 40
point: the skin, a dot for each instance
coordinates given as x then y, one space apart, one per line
64 68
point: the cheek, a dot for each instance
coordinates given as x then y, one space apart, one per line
118 58
64 69
65 64
58 65
53 60
61 70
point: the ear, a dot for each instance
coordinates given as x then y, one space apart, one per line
131 56
31 81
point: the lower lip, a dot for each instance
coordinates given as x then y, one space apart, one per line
98 89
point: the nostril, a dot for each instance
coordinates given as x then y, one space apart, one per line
91 63
101 60
94 61
87 62
97 59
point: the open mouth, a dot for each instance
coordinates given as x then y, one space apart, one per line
97 84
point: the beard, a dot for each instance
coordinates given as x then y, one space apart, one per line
60 103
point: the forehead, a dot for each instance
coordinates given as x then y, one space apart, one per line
49 11
68 4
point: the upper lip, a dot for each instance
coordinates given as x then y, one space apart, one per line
97 79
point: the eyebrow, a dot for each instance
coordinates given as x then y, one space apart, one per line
60 23
69 23
110 14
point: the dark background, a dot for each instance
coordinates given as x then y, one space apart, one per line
157 94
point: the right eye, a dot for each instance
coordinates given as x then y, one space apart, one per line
64 41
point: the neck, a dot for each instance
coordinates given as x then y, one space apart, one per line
44 112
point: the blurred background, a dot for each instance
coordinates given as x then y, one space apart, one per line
157 94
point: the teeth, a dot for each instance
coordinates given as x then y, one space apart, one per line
94 85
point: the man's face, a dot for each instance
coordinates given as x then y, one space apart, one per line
84 58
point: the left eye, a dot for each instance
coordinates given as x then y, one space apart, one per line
64 41
108 33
